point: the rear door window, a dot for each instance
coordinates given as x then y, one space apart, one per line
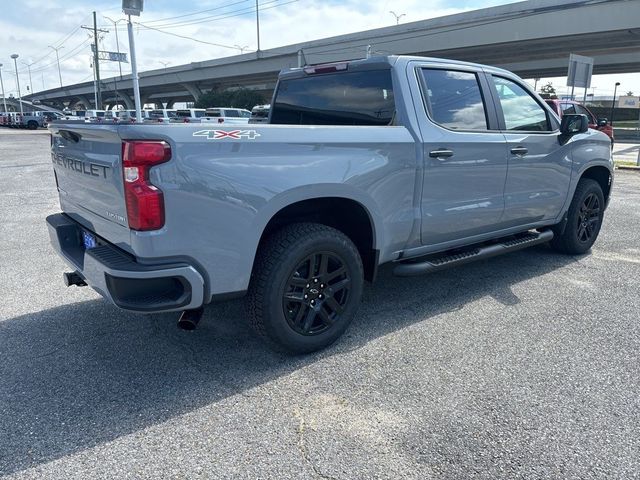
454 99
231 113
568 108
521 111
349 98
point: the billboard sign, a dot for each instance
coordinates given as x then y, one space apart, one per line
626 101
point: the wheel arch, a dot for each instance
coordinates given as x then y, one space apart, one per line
345 213
603 176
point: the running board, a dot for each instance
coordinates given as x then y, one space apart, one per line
472 254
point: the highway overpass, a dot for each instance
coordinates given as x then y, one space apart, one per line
532 38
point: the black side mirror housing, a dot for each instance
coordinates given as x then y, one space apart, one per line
602 122
572 124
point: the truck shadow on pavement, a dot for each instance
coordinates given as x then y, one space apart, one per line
79 375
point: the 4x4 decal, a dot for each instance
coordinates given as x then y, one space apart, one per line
233 134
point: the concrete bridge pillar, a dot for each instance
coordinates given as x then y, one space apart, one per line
193 90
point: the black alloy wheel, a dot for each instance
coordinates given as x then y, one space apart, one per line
588 218
305 288
584 219
317 293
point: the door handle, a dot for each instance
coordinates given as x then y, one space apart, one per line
441 153
520 151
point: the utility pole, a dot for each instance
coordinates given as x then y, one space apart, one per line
4 99
258 26
58 59
29 68
96 59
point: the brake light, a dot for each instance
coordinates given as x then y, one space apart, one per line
145 201
220 120
186 120
327 68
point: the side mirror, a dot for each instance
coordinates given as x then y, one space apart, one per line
602 122
572 124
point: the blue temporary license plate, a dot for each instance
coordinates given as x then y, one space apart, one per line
88 240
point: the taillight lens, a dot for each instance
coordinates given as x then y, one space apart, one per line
221 120
186 120
145 202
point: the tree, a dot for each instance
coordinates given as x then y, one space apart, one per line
241 98
548 91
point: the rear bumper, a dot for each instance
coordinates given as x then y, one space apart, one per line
120 278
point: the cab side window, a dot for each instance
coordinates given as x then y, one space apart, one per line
521 111
568 108
454 99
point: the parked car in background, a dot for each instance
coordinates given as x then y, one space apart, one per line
189 115
161 116
98 116
260 114
74 115
570 107
229 116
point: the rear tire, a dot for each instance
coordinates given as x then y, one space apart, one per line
584 219
306 287
32 125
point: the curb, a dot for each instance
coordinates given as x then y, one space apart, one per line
628 167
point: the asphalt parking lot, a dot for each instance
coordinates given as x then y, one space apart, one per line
522 366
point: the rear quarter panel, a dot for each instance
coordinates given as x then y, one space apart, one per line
221 193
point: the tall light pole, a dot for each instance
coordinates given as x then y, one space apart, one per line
613 103
242 49
4 99
115 27
133 7
398 17
58 59
258 26
15 64
29 68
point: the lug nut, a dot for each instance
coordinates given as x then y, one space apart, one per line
315 280
313 302
306 296
308 285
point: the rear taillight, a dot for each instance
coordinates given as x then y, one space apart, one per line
186 120
145 202
221 120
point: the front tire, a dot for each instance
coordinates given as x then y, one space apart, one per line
584 219
306 287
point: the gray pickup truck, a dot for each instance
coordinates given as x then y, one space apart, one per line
426 163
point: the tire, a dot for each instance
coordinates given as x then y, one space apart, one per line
297 309
31 125
584 219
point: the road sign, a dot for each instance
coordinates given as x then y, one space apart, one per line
580 70
110 56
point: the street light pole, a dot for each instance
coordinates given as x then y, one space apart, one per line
134 72
613 103
58 59
398 17
115 27
4 99
15 64
29 68
258 26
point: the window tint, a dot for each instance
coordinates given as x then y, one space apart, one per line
232 113
583 111
245 113
567 108
183 113
521 111
199 113
352 98
455 100
213 112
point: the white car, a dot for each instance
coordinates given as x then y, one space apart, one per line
189 115
161 116
228 116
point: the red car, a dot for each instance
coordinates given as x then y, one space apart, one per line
570 107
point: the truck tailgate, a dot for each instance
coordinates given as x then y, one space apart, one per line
88 168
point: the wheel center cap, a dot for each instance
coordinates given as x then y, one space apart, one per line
314 291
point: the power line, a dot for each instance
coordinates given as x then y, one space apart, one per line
185 37
195 13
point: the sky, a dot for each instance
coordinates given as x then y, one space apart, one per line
29 27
